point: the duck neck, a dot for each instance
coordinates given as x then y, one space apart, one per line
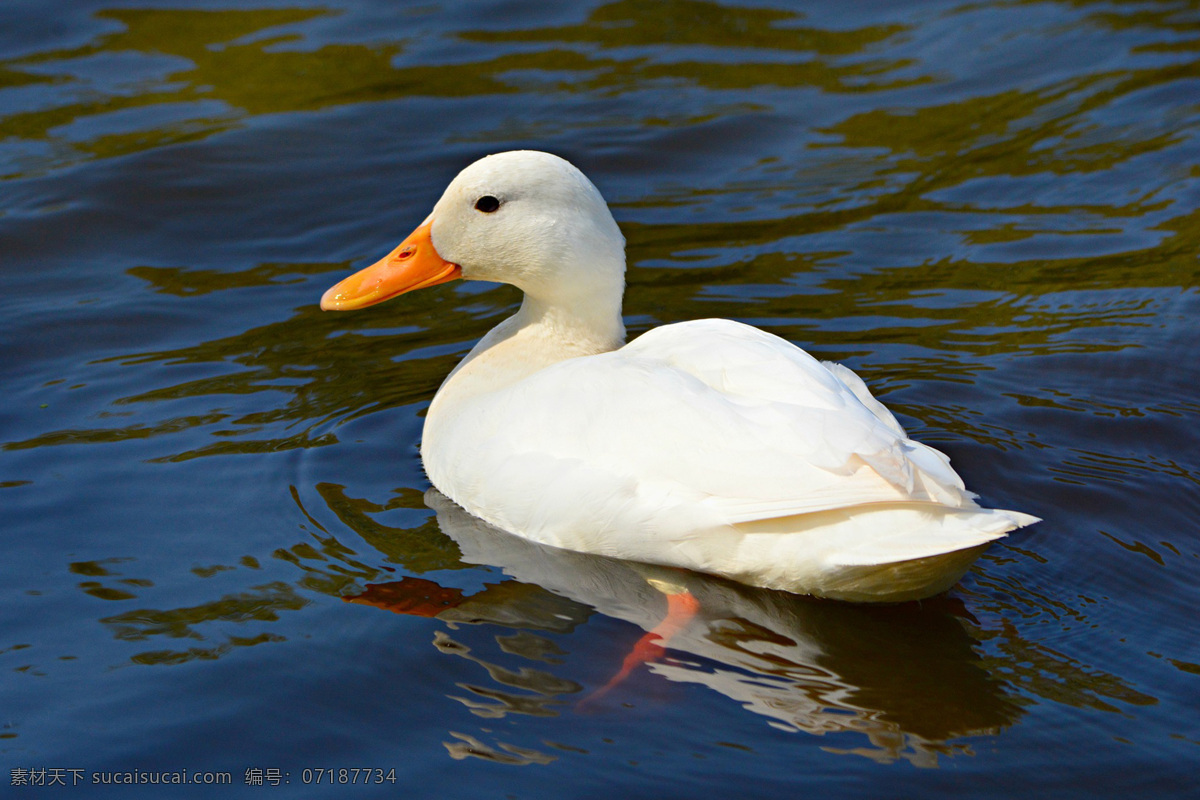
579 326
542 333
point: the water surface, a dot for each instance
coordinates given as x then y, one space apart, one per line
221 551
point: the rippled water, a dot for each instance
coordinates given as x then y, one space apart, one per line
211 495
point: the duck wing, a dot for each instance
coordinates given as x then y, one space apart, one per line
733 421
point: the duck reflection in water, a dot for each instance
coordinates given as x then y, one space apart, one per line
904 676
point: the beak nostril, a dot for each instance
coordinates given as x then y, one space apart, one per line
407 252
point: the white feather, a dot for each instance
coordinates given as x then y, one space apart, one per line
709 445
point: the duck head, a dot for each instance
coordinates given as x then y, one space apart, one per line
526 218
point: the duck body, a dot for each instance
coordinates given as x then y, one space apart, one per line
708 445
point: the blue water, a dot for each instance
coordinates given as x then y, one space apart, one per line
220 553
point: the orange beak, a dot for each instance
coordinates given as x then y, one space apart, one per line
415 264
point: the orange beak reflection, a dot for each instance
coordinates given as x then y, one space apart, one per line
415 264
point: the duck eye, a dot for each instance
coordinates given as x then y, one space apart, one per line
487 204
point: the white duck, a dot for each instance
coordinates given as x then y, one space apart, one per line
708 445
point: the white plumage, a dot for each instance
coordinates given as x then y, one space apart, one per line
708 445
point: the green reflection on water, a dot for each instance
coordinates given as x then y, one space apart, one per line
172 657
261 603
684 23
184 282
420 549
1007 133
10 78
329 367
232 58
691 22
248 77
